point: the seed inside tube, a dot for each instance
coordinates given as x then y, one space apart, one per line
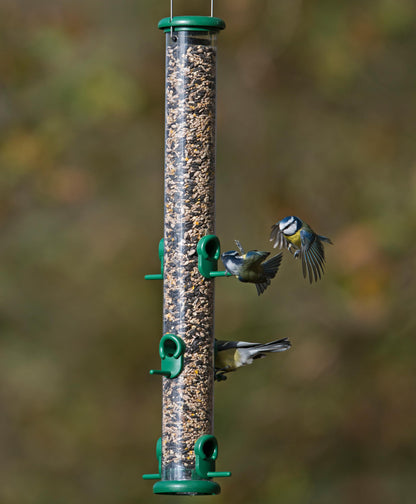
189 215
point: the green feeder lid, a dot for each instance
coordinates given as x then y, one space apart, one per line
191 23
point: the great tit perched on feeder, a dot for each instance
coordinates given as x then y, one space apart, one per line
231 355
252 267
300 239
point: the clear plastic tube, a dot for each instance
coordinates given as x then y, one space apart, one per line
188 298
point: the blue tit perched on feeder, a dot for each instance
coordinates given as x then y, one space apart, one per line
252 267
300 238
231 355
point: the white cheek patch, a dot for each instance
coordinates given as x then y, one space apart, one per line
291 230
284 223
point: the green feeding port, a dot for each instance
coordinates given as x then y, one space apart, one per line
206 452
158 276
209 251
171 350
191 23
159 462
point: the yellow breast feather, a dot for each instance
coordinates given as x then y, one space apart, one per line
295 239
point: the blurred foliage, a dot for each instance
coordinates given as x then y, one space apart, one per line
316 117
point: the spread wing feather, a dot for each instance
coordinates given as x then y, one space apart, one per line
313 256
278 238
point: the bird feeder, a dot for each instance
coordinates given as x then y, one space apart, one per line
189 252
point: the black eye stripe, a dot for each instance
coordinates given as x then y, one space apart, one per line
288 225
293 222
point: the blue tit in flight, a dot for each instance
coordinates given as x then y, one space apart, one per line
231 355
300 239
252 267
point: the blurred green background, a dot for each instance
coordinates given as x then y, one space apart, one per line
317 118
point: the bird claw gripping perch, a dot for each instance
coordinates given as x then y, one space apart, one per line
220 376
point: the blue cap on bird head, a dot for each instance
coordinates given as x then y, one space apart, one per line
230 253
290 225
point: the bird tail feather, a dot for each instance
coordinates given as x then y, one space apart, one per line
261 287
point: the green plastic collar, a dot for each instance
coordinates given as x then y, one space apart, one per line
187 487
191 23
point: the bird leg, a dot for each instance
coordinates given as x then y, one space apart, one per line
240 248
293 250
220 375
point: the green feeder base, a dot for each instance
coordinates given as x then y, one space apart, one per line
187 487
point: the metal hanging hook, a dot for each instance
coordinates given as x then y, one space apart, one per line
171 11
171 17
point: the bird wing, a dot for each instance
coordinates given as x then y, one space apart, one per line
312 254
225 345
255 257
278 238
279 345
271 346
271 266
260 350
